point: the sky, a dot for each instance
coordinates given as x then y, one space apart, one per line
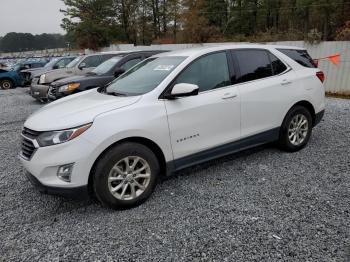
30 16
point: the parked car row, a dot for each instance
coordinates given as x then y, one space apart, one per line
165 112
21 72
84 73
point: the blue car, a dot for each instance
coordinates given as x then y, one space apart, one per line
11 78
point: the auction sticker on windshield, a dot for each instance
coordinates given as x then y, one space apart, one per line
164 68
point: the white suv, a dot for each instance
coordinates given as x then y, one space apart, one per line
169 112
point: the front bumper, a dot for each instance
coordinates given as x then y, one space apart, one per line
319 117
76 192
39 91
45 162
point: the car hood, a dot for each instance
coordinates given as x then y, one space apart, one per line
32 69
76 110
68 80
35 70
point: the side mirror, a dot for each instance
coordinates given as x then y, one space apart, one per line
183 90
82 66
118 72
55 67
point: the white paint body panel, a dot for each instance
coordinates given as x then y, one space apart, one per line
248 109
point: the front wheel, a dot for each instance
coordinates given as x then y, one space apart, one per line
6 84
296 129
126 175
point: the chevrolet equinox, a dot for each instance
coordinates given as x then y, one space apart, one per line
168 112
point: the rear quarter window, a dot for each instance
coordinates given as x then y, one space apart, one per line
300 56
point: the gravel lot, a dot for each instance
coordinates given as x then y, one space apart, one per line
259 205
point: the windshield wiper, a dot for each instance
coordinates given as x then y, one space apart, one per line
115 94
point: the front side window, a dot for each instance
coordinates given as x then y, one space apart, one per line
253 64
208 72
145 76
92 61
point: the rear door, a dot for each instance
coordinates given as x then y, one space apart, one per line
210 119
264 82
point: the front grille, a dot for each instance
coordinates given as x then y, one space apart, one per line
52 92
30 133
28 147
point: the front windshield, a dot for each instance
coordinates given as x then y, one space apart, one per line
106 66
51 63
145 76
74 62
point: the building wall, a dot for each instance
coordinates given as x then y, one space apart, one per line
337 77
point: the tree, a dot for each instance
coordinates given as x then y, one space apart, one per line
19 42
92 22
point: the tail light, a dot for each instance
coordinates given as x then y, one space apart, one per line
320 76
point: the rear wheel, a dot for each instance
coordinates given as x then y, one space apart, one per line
6 84
296 129
126 175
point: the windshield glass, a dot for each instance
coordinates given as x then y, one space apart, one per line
145 76
51 63
105 67
74 62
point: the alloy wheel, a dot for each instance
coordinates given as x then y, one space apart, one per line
129 178
298 129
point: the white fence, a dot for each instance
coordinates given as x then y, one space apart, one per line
337 77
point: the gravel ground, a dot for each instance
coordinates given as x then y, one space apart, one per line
258 205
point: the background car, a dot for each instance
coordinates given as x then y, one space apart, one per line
55 63
100 76
79 66
11 77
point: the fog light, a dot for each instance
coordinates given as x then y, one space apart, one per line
64 172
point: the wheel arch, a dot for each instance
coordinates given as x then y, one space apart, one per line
136 139
309 107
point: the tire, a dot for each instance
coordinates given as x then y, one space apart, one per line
111 176
6 84
296 129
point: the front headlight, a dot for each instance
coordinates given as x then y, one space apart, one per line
69 88
42 79
58 137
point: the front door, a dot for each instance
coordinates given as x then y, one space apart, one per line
209 119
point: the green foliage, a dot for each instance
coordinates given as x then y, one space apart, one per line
97 23
14 42
343 34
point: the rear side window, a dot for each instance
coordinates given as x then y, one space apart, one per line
277 66
299 56
253 64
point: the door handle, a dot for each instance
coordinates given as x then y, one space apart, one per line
286 82
229 96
